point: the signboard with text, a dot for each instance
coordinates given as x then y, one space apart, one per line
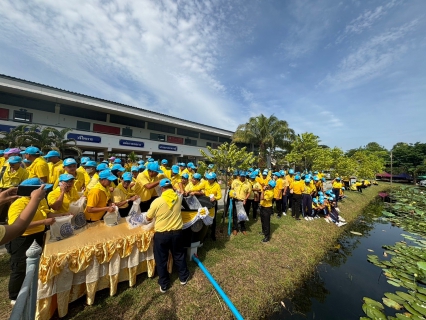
131 143
167 147
173 139
84 138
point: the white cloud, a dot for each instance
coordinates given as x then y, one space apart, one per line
371 58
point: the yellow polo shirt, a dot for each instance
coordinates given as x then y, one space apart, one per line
97 198
242 189
68 198
278 190
38 169
297 186
166 219
86 175
55 170
120 194
93 181
19 205
308 189
190 187
337 185
144 193
255 186
268 195
11 179
214 189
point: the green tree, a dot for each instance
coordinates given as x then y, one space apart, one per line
345 166
304 150
227 158
267 133
368 164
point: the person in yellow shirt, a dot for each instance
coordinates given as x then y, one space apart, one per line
184 180
190 169
176 180
242 189
146 183
254 197
266 210
99 197
122 195
166 171
12 177
95 174
336 187
55 165
38 168
111 161
182 168
60 198
210 168
70 167
2 159
288 205
168 236
213 191
318 185
83 170
35 231
297 186
307 194
284 200
278 193
195 187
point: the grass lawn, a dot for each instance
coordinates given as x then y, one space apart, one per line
256 276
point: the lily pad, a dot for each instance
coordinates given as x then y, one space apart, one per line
373 303
405 296
391 303
392 282
422 265
394 297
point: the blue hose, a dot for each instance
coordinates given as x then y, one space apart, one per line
218 288
230 217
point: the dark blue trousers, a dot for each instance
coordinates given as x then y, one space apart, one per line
163 243
307 205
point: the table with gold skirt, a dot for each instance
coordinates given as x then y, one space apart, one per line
97 258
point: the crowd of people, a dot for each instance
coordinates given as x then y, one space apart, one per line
111 185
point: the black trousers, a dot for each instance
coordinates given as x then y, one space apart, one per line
18 260
163 243
255 207
307 205
248 205
278 207
213 225
336 192
124 212
297 205
235 224
265 218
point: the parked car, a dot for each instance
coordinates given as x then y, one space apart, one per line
422 183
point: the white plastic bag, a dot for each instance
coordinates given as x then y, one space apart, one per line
193 202
158 190
147 225
136 209
77 210
61 228
241 213
112 218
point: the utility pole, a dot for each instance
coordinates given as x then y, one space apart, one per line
391 170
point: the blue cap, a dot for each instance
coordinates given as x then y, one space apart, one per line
127 176
106 174
196 176
272 183
321 197
52 153
211 166
141 167
15 159
235 173
84 160
117 161
66 177
69 161
151 160
330 199
134 168
190 164
102 166
343 188
105 161
141 162
90 163
265 173
250 170
253 175
314 200
323 179
297 178
182 164
307 180
175 169
153 166
1 152
320 193
321 201
164 161
185 176
316 178
242 173
118 167
277 174
213 175
315 172
6 150
165 183
209 176
25 161
291 171
35 182
338 178
32 151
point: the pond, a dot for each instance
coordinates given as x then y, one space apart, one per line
344 277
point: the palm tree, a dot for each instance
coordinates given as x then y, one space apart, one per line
54 139
267 133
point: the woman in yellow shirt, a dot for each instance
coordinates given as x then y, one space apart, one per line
278 193
336 186
213 191
35 231
122 195
266 210
59 199
297 186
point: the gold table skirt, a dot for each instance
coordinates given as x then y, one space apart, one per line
95 259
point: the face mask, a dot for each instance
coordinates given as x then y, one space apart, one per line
89 170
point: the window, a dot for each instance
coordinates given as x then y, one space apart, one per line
105 129
190 142
127 132
206 136
156 136
83 113
22 116
188 133
208 144
27 103
161 127
83 125
4 114
126 121
223 139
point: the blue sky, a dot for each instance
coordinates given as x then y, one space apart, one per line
351 72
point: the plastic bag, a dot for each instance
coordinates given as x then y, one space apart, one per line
147 225
77 210
136 209
158 190
241 213
193 203
112 218
135 220
61 228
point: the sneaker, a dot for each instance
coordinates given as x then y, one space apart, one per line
306 218
310 218
284 214
290 209
185 281
326 220
163 289
265 239
12 302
